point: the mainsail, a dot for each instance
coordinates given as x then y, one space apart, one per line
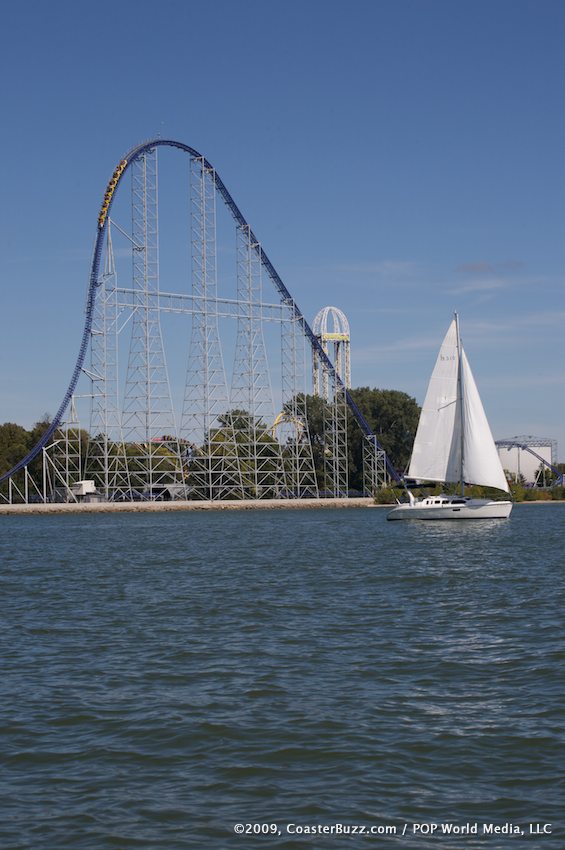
453 403
436 455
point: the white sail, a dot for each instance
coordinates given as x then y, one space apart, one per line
481 463
448 406
436 455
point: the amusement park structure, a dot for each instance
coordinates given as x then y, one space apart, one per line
156 429
331 329
530 458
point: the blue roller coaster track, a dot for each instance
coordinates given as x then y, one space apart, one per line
286 297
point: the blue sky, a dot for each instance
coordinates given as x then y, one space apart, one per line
400 160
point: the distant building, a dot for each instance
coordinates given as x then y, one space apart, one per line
522 456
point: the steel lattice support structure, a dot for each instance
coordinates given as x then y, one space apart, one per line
375 471
332 329
148 422
335 439
300 474
65 457
213 470
106 460
252 409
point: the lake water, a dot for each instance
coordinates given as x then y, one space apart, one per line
168 676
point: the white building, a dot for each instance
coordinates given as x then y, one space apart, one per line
522 456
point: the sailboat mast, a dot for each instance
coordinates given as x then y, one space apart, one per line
460 403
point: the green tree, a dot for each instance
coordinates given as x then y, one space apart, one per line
393 417
14 442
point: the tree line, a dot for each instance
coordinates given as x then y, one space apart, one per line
391 414
16 441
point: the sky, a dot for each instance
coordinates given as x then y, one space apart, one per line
399 159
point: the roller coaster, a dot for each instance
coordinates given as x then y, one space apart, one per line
223 443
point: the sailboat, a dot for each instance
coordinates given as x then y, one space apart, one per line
454 443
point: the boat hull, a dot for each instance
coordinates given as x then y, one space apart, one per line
472 509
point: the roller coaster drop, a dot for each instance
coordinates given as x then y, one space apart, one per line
226 446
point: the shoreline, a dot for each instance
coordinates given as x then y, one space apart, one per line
155 507
228 505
